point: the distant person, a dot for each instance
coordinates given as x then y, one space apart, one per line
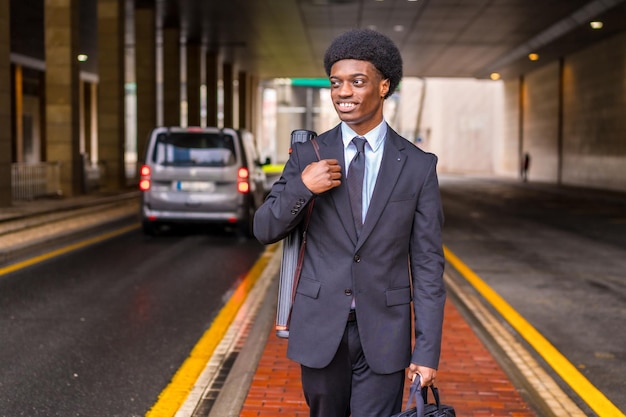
525 166
372 261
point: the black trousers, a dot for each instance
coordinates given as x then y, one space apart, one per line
347 386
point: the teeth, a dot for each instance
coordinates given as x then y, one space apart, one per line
346 104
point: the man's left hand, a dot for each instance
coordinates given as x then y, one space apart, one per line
427 375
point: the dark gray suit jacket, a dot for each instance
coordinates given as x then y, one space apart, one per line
398 257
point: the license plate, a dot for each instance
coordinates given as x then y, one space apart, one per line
195 186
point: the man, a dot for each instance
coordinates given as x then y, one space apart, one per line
351 320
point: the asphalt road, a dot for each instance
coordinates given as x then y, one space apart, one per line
100 331
558 256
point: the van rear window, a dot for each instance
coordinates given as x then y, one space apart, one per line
194 149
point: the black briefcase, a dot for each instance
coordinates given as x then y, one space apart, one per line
422 407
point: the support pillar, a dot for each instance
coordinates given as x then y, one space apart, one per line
255 103
194 55
243 91
111 101
145 67
227 74
212 78
86 118
81 116
171 76
18 113
6 146
61 20
93 125
42 113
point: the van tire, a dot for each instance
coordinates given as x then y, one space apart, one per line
245 226
149 228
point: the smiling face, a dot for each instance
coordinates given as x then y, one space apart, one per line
358 92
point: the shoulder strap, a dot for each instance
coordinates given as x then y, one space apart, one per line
316 148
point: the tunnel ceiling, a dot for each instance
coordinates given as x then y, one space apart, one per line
437 38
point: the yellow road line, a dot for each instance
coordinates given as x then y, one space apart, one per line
173 396
66 249
559 363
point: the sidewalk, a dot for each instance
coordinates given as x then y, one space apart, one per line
469 378
27 227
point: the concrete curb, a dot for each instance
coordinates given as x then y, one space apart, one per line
235 390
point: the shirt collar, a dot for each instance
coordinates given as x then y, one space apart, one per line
375 137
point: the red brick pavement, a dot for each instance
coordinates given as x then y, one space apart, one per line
469 378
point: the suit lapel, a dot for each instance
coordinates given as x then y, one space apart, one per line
390 169
333 149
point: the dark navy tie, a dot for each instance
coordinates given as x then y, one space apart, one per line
356 171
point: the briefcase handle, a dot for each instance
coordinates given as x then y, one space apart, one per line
416 387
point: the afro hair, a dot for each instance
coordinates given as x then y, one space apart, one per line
367 45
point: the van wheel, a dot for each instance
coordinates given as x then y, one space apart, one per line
245 227
149 228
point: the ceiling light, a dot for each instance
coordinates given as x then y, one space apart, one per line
596 24
533 57
82 57
494 76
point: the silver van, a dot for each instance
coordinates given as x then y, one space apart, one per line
200 175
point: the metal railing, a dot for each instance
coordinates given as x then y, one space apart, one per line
33 180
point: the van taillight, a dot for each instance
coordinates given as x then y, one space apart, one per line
144 181
243 186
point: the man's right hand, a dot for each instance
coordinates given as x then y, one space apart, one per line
322 175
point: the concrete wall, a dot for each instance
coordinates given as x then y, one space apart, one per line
462 124
594 116
586 146
507 152
570 116
540 114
